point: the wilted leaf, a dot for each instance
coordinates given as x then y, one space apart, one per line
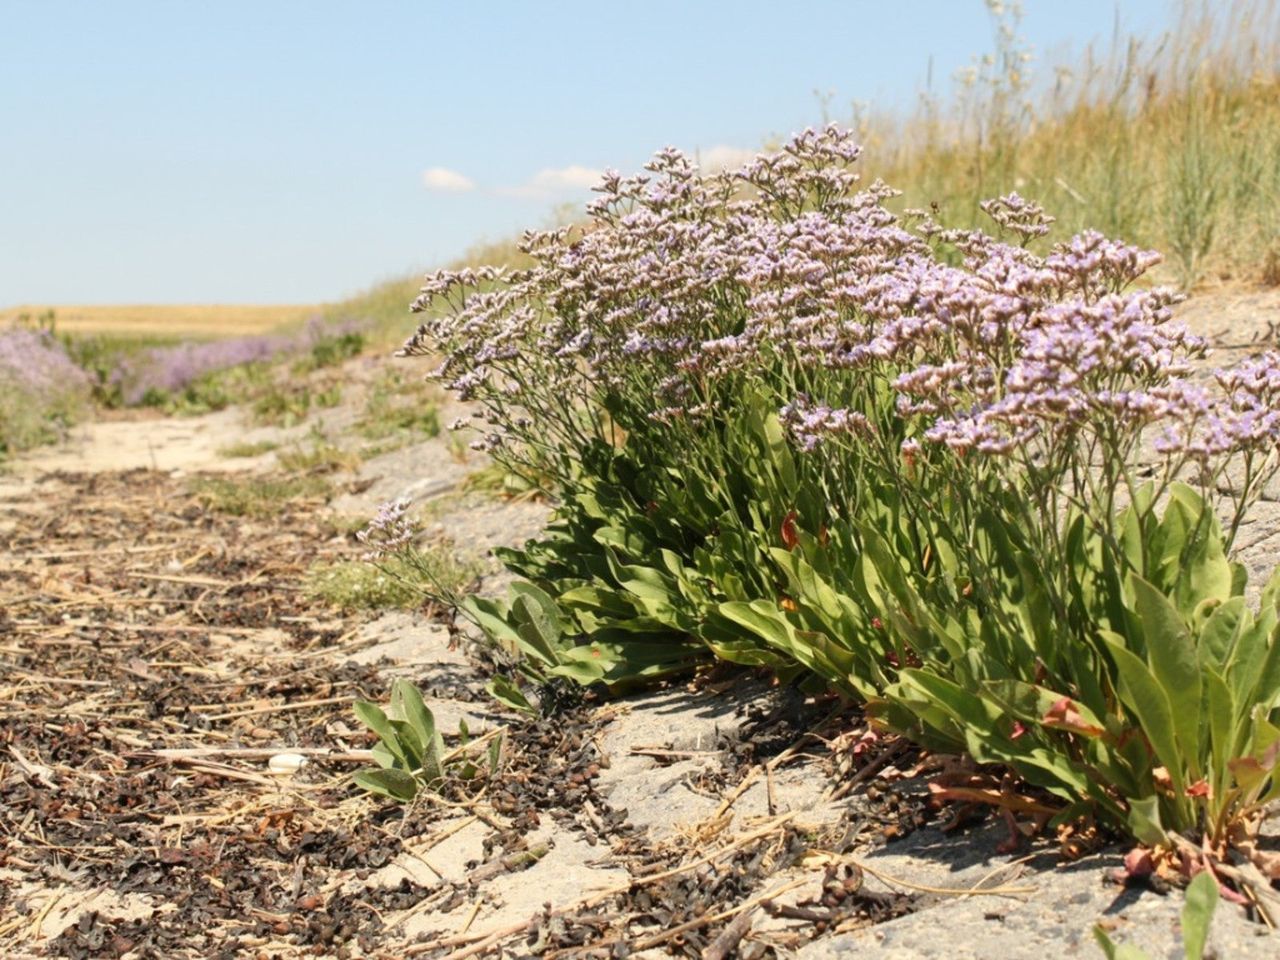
1064 715
1200 788
790 536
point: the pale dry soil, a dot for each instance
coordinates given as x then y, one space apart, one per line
967 899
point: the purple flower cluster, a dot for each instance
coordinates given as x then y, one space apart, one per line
169 369
41 389
1241 418
33 362
811 424
388 532
1017 215
1052 371
679 278
686 288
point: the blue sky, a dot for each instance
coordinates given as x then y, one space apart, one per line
275 151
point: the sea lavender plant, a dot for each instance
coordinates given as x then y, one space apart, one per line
992 444
41 390
390 531
162 371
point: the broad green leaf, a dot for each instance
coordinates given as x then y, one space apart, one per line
495 756
1218 636
384 757
888 569
1030 702
1221 734
911 711
582 673
1142 694
1249 660
1197 912
538 619
1203 569
1172 657
1144 821
506 692
371 715
491 616
1239 578
395 784
812 648
644 582
1271 591
762 619
969 709
805 582
601 599
533 628
1117 951
1133 540
732 641
1252 773
1266 689
409 742
406 696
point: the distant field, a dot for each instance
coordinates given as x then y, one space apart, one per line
184 320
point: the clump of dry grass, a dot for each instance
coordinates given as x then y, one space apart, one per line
255 496
1173 143
436 570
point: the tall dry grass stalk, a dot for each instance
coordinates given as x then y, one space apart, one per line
1173 143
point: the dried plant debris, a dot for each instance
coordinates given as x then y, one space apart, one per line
156 656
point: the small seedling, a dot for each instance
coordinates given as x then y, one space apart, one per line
411 756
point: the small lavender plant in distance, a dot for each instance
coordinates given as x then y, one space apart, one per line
42 391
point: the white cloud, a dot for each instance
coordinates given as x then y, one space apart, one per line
724 157
553 181
446 180
566 178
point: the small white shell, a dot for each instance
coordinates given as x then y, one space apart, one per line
283 764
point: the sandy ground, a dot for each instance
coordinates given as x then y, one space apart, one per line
716 786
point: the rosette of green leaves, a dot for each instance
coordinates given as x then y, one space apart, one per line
410 753
652 567
1164 721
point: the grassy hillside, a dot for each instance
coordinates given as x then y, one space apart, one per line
383 309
